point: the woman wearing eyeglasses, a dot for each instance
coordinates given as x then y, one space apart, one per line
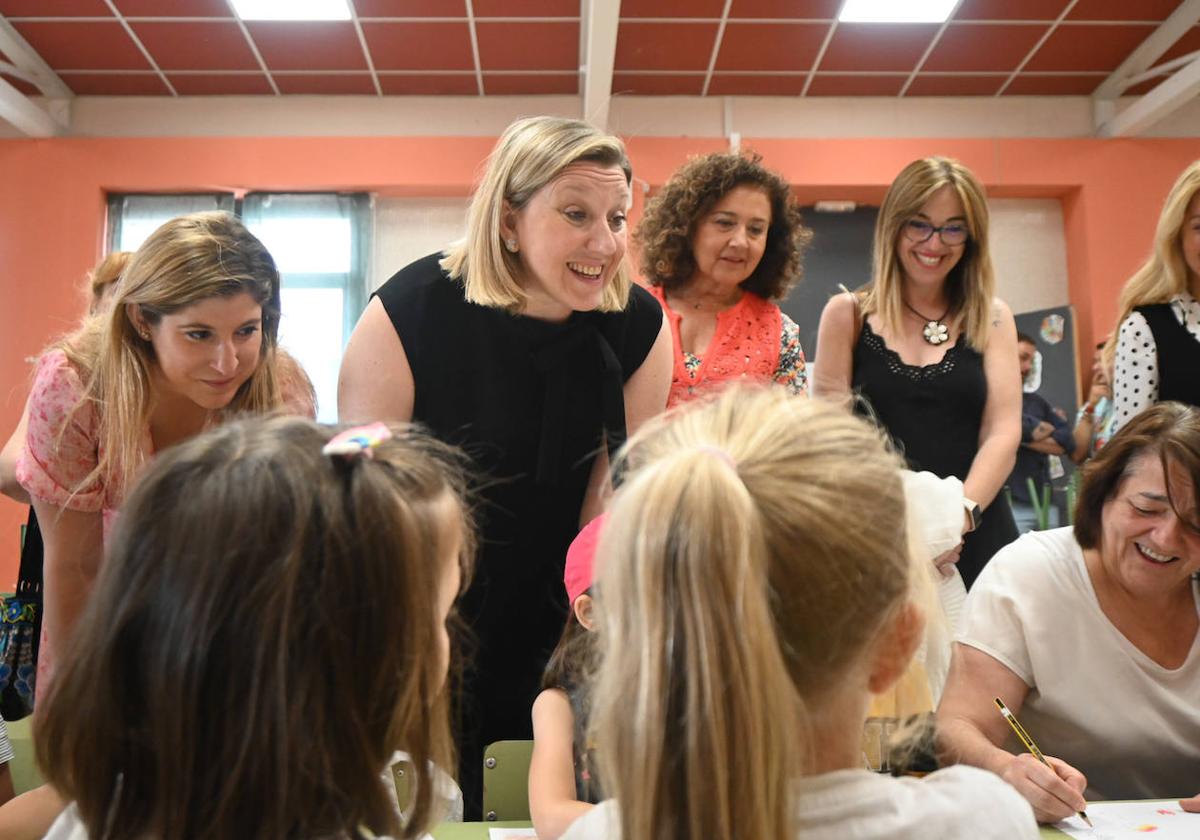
931 350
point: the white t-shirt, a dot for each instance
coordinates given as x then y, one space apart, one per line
860 805
1095 700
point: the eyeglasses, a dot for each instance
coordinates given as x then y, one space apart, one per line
955 233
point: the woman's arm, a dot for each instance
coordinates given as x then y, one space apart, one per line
553 800
30 815
835 347
8 461
375 382
1000 432
645 395
1135 379
74 546
971 730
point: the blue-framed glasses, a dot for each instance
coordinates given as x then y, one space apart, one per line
953 233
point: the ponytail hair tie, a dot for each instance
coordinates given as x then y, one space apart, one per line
720 454
360 440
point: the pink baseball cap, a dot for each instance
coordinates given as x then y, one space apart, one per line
577 573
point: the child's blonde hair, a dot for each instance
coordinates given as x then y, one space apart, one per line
755 549
263 635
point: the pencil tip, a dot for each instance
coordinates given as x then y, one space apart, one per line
1086 820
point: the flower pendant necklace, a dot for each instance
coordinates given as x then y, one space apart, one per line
935 332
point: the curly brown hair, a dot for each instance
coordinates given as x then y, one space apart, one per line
665 232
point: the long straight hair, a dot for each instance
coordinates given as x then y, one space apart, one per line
737 581
971 284
262 637
1164 274
186 260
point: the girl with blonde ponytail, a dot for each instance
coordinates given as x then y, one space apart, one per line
754 591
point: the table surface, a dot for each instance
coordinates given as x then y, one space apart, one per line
479 830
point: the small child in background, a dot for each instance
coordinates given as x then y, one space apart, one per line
756 590
562 783
268 629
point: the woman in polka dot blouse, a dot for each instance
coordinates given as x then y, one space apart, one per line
1158 343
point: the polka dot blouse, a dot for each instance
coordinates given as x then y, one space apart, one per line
1135 374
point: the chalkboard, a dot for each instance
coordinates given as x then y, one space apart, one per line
840 253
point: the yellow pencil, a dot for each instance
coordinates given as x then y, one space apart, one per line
1027 740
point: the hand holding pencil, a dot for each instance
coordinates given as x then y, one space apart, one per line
1053 787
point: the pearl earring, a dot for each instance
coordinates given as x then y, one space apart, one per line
511 244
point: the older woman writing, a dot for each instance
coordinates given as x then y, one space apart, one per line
721 242
1090 634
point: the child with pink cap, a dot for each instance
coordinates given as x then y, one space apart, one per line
562 785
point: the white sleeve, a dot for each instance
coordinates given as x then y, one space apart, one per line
992 620
1135 371
996 810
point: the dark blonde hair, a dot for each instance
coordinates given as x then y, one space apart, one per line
186 260
262 637
101 278
971 284
665 232
737 584
1170 430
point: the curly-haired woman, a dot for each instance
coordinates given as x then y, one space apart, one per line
721 242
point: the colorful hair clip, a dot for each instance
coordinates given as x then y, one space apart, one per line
360 440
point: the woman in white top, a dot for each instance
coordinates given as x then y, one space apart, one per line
1157 349
755 591
1091 636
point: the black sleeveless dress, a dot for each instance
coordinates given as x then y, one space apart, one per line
934 414
532 403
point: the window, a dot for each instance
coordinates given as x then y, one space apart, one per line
320 243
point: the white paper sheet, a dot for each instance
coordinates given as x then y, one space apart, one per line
1157 820
506 833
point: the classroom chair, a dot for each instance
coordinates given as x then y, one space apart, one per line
506 780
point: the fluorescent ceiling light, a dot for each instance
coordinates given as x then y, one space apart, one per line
896 11
292 9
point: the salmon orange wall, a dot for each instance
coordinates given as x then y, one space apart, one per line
52 207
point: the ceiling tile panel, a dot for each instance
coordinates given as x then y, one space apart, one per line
71 45
531 84
1122 9
868 46
1143 87
174 8
218 45
317 83
810 9
770 46
117 84
838 85
1054 85
955 85
1189 43
420 46
659 46
308 45
1010 9
731 85
1088 47
526 8
641 84
528 46
228 84
972 46
60 8
672 8
22 85
410 8
429 84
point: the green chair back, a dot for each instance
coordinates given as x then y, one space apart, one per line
25 774
506 780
